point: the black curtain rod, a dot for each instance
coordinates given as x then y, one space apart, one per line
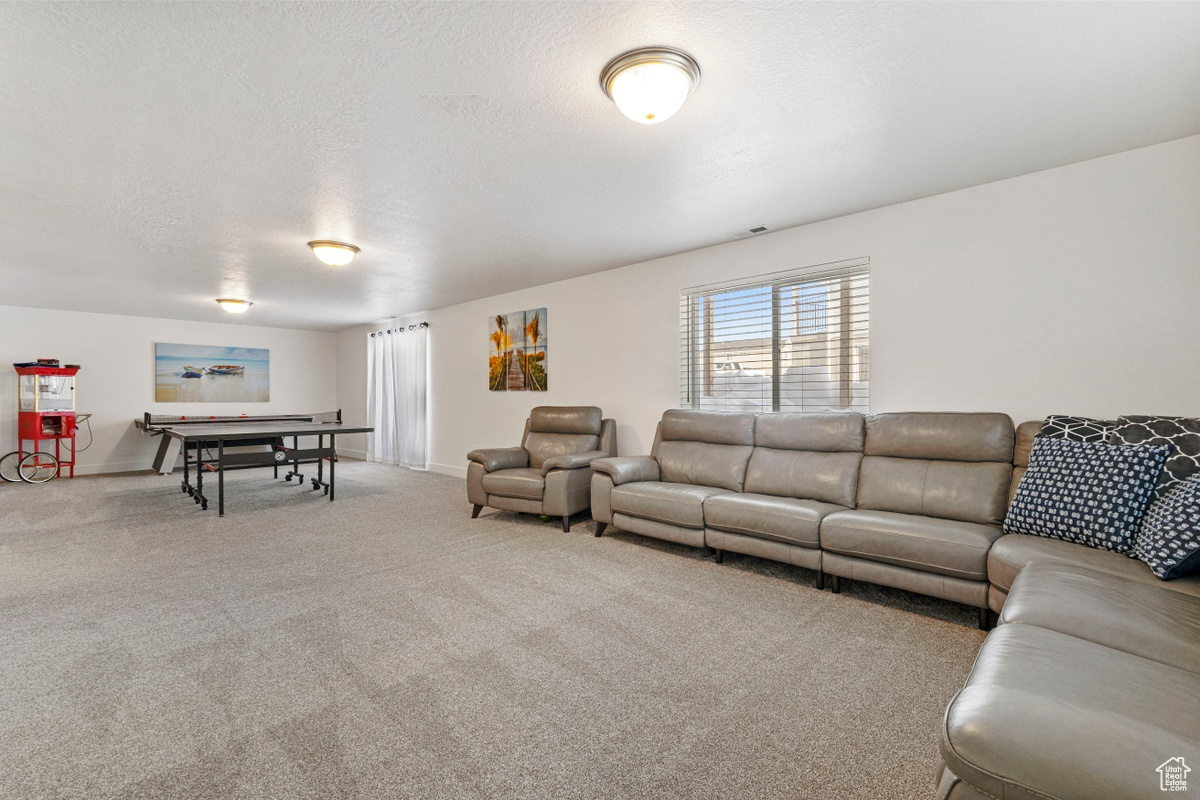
401 329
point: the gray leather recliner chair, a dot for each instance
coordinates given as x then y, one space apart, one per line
550 472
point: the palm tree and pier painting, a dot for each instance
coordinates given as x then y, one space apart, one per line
517 351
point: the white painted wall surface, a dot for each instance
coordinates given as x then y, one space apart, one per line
116 383
1066 291
352 387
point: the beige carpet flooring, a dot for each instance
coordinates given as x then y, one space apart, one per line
387 646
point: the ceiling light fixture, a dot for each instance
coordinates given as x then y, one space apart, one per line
335 254
234 306
650 84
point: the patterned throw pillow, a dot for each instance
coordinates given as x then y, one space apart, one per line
1089 493
1077 429
1181 433
1169 540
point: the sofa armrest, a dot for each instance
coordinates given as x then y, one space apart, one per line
571 460
628 469
500 458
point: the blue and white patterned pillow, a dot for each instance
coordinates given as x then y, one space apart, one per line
1169 540
1089 493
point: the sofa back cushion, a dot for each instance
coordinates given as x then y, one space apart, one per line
812 456
946 465
941 436
561 430
704 448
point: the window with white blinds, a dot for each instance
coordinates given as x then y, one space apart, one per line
790 341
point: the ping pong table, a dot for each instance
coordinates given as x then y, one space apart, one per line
204 442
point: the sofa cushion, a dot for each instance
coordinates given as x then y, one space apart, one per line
1077 429
520 482
947 547
1047 715
566 419
1180 433
972 492
704 448
675 503
941 436
1169 539
714 427
825 477
781 519
1012 552
1085 492
824 432
1121 613
542 446
704 464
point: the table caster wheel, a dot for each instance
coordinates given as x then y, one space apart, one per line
204 506
327 491
287 478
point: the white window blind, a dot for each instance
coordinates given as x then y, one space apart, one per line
788 341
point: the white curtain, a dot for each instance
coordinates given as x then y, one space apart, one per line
396 396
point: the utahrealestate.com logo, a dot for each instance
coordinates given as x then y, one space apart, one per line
1172 775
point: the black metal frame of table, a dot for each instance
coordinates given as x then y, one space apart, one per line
203 438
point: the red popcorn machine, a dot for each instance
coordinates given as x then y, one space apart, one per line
45 415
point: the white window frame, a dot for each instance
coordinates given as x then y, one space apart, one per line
846 352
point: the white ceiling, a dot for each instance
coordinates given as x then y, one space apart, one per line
156 156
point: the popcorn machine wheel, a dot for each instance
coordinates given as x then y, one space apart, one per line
46 414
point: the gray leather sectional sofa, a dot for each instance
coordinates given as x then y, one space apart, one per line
1089 687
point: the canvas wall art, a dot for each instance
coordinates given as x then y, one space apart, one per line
193 373
517 344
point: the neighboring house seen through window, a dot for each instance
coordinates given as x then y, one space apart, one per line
794 341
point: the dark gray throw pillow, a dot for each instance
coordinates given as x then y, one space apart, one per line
1089 493
1182 433
1169 539
1077 429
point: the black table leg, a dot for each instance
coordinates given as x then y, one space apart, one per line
320 481
332 461
199 496
186 486
221 478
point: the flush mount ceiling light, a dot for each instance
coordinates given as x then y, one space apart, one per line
234 306
650 84
335 254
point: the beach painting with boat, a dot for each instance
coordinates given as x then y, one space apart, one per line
196 373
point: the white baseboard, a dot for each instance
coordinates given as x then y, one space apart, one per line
447 469
360 455
114 466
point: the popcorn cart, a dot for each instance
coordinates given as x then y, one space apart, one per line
45 414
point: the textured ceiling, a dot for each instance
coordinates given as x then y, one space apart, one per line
155 156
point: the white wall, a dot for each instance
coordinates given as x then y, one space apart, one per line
1072 290
116 383
351 357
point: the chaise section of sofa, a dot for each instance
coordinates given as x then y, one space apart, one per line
696 455
1090 683
804 467
932 493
